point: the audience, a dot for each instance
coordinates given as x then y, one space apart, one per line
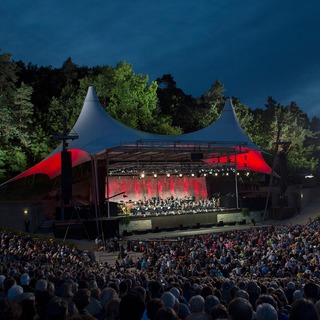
261 273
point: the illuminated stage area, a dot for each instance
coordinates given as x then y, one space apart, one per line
161 204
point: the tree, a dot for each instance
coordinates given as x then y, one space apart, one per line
23 114
8 76
67 108
129 98
174 103
211 104
132 101
245 117
15 129
290 132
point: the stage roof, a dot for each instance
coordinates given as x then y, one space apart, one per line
99 136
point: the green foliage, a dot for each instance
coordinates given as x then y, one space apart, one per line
7 75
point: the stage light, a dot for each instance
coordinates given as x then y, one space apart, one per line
168 175
309 176
180 175
142 175
192 174
155 175
227 173
216 174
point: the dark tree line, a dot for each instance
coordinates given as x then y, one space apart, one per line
35 100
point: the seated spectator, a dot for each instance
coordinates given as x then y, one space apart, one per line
153 306
242 294
131 307
219 311
10 309
297 295
56 309
266 311
8 282
196 306
289 290
112 309
14 291
166 314
94 307
81 300
303 309
25 283
107 294
210 302
170 301
182 310
240 309
311 291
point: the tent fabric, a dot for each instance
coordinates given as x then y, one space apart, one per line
249 161
97 132
225 130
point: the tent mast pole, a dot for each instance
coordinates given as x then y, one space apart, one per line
94 194
97 200
277 143
236 180
108 190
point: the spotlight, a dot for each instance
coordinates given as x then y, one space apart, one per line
168 175
216 174
192 174
142 175
155 175
180 175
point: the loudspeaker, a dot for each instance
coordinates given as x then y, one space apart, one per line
66 176
196 156
113 208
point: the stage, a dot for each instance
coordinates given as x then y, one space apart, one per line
124 225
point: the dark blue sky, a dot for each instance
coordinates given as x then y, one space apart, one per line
256 48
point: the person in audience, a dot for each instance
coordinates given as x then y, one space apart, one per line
240 309
218 312
196 304
266 311
303 309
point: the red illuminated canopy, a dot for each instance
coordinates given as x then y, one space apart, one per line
52 166
251 160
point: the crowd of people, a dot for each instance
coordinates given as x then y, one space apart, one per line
262 273
172 205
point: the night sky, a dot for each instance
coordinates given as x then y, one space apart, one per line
255 48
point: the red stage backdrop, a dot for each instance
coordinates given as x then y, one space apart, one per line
163 187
